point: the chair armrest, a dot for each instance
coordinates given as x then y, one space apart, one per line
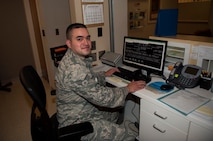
75 131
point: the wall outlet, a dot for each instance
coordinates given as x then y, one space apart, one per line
93 45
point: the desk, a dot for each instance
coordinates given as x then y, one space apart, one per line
161 122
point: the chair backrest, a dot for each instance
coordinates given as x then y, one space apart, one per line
41 126
34 86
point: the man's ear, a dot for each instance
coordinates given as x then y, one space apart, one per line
68 43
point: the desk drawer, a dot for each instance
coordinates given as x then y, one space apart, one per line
152 129
165 116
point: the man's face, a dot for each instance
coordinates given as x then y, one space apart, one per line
80 42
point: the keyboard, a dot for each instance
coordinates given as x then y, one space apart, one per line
129 75
125 74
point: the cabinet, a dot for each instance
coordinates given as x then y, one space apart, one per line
198 133
158 124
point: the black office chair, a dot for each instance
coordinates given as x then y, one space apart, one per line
5 87
44 127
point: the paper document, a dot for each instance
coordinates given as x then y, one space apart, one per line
184 101
206 109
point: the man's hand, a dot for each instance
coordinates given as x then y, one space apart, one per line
111 71
135 86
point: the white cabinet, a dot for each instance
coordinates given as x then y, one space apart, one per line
198 133
159 124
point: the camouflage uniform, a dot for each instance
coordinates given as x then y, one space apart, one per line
82 96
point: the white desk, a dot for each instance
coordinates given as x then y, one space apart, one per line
162 123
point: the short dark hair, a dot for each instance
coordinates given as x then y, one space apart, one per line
73 26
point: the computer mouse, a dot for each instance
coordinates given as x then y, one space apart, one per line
166 87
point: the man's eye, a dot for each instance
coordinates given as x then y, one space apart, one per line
88 38
80 38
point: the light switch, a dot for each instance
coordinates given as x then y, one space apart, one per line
99 31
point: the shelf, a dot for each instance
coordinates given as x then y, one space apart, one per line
173 60
174 54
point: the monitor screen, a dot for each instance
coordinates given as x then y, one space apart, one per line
145 54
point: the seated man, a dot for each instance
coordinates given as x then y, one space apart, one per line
82 94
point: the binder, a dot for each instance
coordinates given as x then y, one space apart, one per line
166 22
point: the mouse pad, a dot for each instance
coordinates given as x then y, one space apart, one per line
155 87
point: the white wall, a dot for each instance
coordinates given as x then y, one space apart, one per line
120 23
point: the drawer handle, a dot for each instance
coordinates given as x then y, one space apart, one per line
162 131
155 113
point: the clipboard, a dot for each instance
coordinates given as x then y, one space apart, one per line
184 101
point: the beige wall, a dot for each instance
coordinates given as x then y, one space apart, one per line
102 43
211 18
119 24
16 50
147 27
193 17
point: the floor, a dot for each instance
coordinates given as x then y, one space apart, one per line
15 110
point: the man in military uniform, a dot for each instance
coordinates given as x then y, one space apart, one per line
82 94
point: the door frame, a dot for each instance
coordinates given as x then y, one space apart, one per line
32 36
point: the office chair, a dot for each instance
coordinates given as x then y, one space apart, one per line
44 127
5 86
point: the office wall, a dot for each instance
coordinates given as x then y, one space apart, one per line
15 47
192 18
195 19
119 15
211 18
146 26
103 42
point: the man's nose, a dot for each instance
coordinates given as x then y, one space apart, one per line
86 41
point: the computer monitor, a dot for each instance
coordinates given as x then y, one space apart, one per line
147 55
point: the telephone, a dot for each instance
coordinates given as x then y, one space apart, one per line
184 76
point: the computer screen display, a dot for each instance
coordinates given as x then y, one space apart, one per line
145 54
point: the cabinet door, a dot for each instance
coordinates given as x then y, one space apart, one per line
152 129
198 133
54 17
